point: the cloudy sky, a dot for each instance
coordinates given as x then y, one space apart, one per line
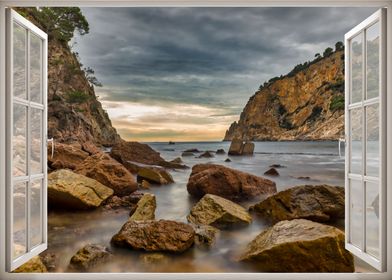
186 73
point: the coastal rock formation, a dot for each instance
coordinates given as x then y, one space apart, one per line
88 257
306 104
318 203
66 156
218 212
299 246
271 172
206 154
239 147
226 182
154 175
145 208
73 191
205 235
109 172
155 236
35 265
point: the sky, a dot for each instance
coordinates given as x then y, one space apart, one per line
185 74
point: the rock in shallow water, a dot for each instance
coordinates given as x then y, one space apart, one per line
154 175
88 257
226 182
219 212
299 246
318 203
145 208
205 235
271 172
155 236
109 172
73 191
206 154
35 265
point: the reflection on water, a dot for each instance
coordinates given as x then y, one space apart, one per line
68 232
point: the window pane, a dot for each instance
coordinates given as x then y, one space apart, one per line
356 69
372 140
19 222
373 60
19 62
35 215
35 68
19 140
356 141
372 219
356 195
36 141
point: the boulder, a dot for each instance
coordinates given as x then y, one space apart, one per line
236 147
177 160
220 152
226 182
109 172
50 260
154 175
271 172
187 154
277 166
206 154
193 150
129 201
205 235
227 160
154 236
299 246
248 148
218 212
88 257
67 189
34 265
145 208
145 185
90 148
66 156
318 203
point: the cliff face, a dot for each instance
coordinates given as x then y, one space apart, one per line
307 105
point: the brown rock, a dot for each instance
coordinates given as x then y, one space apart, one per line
35 265
193 150
88 257
90 148
109 172
299 246
66 156
177 160
220 152
154 175
318 203
145 185
271 172
248 148
205 235
128 201
226 182
155 236
227 160
206 154
277 166
145 208
236 147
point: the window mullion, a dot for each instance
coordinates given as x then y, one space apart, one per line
28 146
364 144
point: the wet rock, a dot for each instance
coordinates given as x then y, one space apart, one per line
248 148
88 257
206 154
303 178
177 160
193 150
227 160
271 172
220 152
145 208
218 212
154 175
205 235
187 154
320 203
155 236
66 156
35 265
226 182
153 258
67 189
236 147
116 202
299 246
277 166
109 172
145 185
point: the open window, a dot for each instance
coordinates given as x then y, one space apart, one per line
365 115
26 140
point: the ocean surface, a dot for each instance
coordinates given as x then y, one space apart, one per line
320 161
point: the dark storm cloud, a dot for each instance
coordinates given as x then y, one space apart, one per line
208 56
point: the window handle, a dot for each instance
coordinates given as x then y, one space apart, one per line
341 140
51 140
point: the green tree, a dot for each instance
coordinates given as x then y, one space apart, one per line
328 51
317 55
339 46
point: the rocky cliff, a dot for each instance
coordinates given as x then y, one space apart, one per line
306 104
74 112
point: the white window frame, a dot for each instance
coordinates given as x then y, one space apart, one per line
201 3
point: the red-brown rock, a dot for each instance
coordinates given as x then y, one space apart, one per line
226 182
66 156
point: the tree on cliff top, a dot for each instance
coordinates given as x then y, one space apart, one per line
59 23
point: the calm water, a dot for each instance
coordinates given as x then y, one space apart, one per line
320 161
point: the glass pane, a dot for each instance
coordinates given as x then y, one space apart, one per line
356 69
36 141
35 214
19 140
356 141
356 195
373 60
35 68
372 140
19 222
372 219
19 62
